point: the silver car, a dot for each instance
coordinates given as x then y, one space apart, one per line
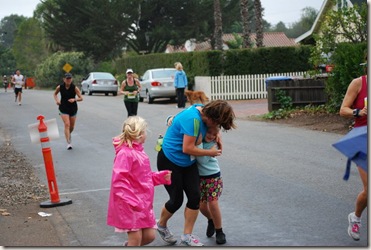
158 83
99 82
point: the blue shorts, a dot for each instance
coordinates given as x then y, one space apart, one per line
71 114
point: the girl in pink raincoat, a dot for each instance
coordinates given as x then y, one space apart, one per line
130 206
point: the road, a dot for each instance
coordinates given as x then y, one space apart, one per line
282 185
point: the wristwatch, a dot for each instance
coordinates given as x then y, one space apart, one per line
356 112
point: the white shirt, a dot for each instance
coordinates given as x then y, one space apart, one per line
19 82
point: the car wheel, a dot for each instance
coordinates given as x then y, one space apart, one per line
149 98
106 94
114 93
82 91
141 99
89 92
173 99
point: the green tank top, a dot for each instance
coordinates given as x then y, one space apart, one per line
131 97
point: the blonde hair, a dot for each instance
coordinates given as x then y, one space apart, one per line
178 66
132 129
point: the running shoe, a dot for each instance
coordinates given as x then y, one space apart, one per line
220 238
191 241
166 235
353 228
69 146
210 228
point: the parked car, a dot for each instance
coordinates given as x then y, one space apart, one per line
158 83
99 82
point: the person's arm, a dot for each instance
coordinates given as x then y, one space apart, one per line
79 96
219 142
346 109
57 101
123 84
138 85
189 147
176 77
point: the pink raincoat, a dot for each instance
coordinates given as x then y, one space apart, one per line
131 197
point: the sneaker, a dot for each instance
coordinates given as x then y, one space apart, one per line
166 235
69 146
210 228
353 228
220 238
191 241
19 104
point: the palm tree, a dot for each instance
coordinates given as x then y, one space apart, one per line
218 33
245 24
259 23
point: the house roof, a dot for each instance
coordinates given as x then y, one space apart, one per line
270 39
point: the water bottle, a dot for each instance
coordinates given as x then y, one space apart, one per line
159 143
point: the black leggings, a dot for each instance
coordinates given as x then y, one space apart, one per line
182 179
181 98
132 108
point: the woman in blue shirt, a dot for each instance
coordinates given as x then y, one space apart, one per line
180 83
178 155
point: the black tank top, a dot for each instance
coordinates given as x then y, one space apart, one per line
67 107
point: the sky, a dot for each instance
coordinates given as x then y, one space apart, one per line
287 11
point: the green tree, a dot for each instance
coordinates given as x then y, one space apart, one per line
29 48
7 61
308 16
246 28
96 27
343 25
218 29
8 29
50 72
259 23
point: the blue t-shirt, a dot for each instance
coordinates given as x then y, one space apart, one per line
188 122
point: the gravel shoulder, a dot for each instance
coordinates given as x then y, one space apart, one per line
20 195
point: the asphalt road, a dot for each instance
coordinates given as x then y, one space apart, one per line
282 185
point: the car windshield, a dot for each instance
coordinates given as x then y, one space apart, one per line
163 73
103 76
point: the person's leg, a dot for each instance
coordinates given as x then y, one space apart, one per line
178 96
127 106
215 213
361 202
190 217
191 185
204 209
182 98
20 96
148 235
66 121
354 218
72 126
134 238
135 108
72 123
175 192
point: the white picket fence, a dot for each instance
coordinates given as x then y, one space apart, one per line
238 87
